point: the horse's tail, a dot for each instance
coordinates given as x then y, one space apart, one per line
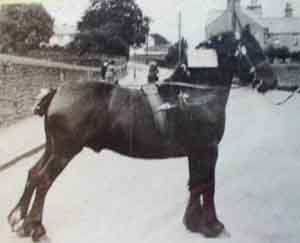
44 99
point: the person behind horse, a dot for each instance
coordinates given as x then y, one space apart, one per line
111 73
180 74
153 72
103 69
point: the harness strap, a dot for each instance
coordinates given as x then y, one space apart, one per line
286 99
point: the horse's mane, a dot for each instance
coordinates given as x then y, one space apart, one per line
224 33
216 37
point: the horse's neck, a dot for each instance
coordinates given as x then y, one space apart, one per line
227 75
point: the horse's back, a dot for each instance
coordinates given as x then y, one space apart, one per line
79 95
76 106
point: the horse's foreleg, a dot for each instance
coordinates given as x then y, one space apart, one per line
20 210
200 215
32 225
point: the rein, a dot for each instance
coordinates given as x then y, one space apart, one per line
288 97
186 85
175 84
284 100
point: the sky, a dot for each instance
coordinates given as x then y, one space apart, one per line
164 13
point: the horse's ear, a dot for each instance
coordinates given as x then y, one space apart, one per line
246 29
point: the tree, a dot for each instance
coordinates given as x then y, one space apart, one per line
24 27
283 53
172 57
111 26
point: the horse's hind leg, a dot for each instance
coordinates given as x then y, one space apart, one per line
32 225
19 212
200 215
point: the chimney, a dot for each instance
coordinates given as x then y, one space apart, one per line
289 10
255 8
231 4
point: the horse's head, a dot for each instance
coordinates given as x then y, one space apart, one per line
239 52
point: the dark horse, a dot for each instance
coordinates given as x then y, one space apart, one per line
103 116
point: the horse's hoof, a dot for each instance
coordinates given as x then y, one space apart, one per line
192 216
24 230
14 218
18 226
196 223
211 229
44 239
224 234
39 233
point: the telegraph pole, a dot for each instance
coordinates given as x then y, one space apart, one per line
233 17
179 37
147 22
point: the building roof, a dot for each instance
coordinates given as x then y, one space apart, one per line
64 29
276 25
213 15
222 22
280 25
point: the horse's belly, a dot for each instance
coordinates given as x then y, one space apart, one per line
159 150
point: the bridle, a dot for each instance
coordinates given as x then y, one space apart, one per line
241 45
242 52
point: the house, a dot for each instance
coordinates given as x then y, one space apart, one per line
275 31
63 34
155 50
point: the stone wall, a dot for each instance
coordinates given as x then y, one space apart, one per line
72 57
22 78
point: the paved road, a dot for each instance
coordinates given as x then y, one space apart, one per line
110 198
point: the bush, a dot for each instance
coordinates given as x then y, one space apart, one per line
281 53
296 56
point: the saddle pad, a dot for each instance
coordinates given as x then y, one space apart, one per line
155 101
150 89
203 58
